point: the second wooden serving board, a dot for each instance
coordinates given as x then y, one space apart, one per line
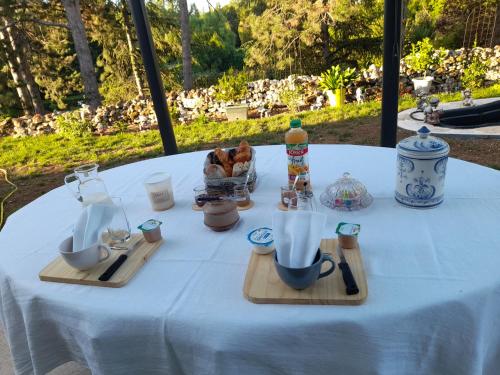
263 285
60 272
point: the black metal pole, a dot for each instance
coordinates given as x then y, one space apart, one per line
150 61
390 83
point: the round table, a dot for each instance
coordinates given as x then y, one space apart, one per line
433 305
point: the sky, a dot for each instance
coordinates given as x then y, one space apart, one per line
202 5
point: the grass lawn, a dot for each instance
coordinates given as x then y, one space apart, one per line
38 164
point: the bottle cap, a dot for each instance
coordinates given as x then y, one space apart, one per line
296 123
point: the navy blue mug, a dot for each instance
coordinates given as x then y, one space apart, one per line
302 278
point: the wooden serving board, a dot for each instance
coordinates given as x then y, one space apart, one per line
60 272
263 285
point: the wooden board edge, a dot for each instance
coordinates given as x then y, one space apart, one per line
349 302
314 302
145 258
246 283
98 283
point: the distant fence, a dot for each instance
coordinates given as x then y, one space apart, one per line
480 26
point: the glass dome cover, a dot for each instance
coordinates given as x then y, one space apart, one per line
346 194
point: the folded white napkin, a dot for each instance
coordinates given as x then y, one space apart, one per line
297 236
92 221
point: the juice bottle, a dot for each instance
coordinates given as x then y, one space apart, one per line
296 140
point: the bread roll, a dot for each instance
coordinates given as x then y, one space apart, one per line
215 171
240 168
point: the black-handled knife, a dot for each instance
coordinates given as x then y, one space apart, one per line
350 283
117 263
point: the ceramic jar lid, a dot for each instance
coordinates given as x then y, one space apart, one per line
423 145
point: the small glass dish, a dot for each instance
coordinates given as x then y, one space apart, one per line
346 194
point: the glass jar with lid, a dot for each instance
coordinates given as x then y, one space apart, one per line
346 194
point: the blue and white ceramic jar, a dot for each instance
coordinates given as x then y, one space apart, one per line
421 170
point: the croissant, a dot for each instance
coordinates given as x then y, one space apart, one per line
243 157
225 160
240 168
244 153
243 147
222 155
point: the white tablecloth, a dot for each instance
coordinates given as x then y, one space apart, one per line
433 277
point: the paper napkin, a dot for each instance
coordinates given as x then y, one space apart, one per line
297 236
93 220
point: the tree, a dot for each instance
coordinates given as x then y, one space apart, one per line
87 71
214 44
17 76
132 49
21 54
187 69
17 55
305 36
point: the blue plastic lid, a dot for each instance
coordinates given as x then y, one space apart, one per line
261 236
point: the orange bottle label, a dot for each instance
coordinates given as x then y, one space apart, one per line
298 161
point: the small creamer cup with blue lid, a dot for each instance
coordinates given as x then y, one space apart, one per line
151 230
262 240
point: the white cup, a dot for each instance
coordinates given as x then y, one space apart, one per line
84 259
160 193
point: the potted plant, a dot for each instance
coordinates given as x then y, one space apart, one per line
231 88
422 59
334 81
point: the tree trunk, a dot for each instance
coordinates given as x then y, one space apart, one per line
20 53
187 69
87 71
17 76
325 39
132 49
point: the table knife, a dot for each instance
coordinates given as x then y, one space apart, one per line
118 262
350 283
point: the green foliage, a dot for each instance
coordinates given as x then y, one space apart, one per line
424 56
121 126
292 98
271 38
115 91
9 103
206 79
337 78
72 126
421 19
232 86
302 36
474 73
34 155
214 44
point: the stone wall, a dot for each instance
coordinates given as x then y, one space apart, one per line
263 97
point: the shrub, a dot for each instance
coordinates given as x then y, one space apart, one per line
121 126
232 86
474 73
337 78
205 79
424 57
292 97
71 125
114 91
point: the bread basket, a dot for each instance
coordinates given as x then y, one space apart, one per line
227 184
